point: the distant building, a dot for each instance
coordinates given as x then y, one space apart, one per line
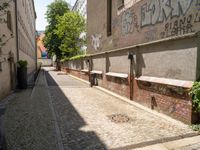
81 7
41 50
18 32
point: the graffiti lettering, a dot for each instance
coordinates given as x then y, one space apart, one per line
129 22
150 35
160 10
178 27
197 17
96 41
198 4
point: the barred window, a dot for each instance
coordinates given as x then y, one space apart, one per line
9 20
120 4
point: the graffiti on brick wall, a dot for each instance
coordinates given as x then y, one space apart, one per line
178 27
161 10
115 22
129 22
150 35
198 4
96 41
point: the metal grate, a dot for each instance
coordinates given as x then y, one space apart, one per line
119 118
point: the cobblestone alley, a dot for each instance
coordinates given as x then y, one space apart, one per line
65 113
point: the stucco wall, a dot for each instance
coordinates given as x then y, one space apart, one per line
26 32
99 63
8 73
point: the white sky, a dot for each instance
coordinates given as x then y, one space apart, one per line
41 8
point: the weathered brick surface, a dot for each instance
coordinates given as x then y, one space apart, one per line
175 107
175 104
77 73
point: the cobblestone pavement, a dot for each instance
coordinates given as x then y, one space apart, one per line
84 118
191 147
28 120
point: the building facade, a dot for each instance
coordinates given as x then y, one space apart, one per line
81 7
26 27
17 34
147 51
8 51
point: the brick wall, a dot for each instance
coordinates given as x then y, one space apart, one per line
173 101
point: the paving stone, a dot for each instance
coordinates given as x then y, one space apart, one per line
84 119
28 120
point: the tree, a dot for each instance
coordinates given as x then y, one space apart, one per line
51 41
69 28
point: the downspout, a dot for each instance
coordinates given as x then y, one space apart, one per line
17 44
130 57
17 36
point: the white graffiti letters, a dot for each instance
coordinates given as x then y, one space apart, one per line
160 10
127 22
180 6
96 41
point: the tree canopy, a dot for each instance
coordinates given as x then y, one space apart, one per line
69 28
54 11
62 35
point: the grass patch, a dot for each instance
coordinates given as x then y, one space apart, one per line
196 127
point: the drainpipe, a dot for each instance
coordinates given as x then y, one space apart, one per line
17 44
89 69
130 57
17 36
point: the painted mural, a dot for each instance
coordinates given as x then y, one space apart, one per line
41 50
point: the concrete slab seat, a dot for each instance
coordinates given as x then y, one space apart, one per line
166 81
118 75
85 71
96 72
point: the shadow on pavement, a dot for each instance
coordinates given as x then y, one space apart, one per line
70 121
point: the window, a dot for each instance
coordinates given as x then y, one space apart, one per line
120 4
109 17
9 20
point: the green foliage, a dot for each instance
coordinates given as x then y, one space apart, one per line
196 127
195 93
62 35
73 58
51 41
69 28
22 63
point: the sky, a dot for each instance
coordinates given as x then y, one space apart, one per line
41 8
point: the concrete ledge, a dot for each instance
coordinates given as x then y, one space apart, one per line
96 72
119 75
173 82
84 70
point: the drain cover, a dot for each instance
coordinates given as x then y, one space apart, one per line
119 118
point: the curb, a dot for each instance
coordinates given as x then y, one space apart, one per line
57 129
